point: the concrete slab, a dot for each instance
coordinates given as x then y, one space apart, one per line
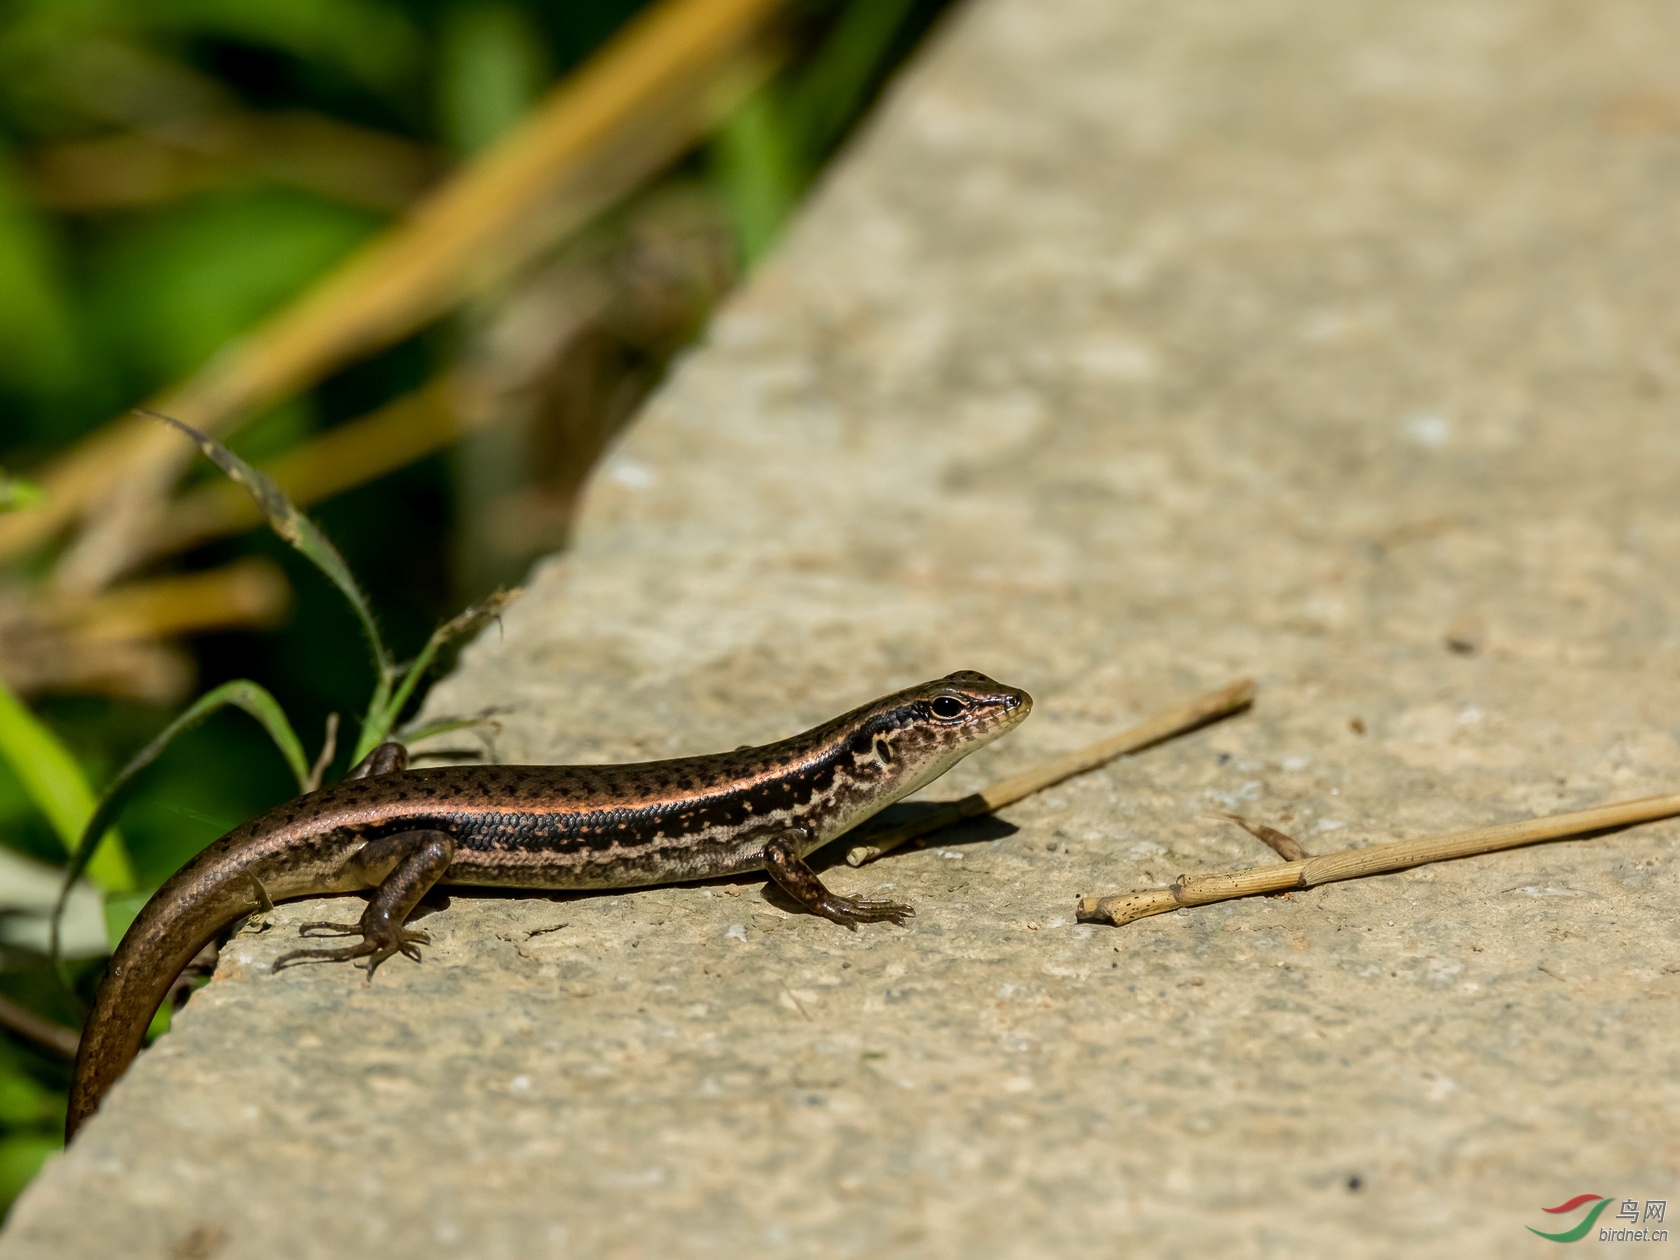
1137 347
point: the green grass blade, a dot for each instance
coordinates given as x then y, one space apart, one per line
55 783
378 727
241 693
443 726
758 171
297 529
831 92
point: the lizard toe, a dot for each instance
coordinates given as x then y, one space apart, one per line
329 929
851 911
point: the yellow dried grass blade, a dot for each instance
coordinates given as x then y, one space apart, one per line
632 108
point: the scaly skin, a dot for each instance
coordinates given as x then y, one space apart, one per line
400 831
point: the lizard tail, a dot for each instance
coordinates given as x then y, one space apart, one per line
181 918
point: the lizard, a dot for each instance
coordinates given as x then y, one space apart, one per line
398 832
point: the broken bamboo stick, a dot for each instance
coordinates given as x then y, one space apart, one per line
1199 712
1375 859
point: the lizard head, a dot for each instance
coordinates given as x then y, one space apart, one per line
917 734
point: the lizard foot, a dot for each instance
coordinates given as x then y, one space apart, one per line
851 911
415 860
375 946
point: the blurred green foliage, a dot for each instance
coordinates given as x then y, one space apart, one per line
50 777
770 150
251 249
138 236
494 67
37 338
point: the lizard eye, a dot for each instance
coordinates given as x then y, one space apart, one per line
947 707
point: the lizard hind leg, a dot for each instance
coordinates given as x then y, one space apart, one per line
420 858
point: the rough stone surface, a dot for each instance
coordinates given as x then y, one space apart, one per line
1137 347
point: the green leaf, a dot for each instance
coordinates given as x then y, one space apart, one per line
241 693
55 783
443 726
298 530
303 534
767 151
378 726
831 92
759 171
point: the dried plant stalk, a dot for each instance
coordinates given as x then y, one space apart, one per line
325 155
1199 712
116 643
1376 859
1284 845
246 593
37 1028
637 105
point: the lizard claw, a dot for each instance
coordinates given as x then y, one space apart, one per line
420 857
376 948
800 882
330 929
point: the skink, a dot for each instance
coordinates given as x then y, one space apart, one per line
399 831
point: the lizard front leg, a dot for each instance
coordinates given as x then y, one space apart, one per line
799 881
415 860
384 759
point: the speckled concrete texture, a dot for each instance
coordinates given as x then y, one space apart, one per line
1136 347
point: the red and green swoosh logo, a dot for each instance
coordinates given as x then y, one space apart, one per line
1599 1203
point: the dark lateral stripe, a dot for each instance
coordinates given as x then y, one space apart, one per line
558 828
561 810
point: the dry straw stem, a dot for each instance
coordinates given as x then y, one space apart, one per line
42 1031
650 94
1199 712
115 642
1376 859
132 169
250 592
